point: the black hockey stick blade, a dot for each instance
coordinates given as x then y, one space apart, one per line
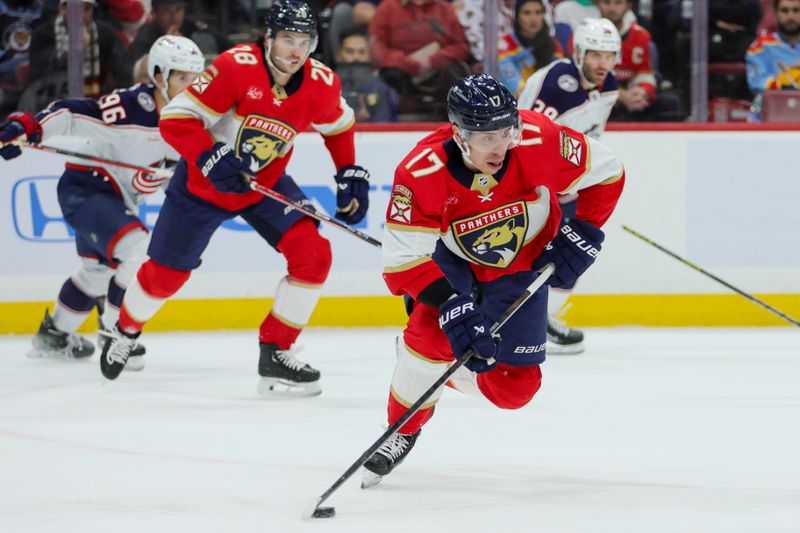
314 507
313 510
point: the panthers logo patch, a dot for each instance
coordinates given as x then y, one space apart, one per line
493 238
263 139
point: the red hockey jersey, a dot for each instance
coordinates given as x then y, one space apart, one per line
235 101
500 223
636 64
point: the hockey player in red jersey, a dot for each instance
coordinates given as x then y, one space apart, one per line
473 215
241 116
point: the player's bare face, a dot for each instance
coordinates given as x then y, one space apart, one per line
597 65
530 19
289 51
613 10
487 149
178 81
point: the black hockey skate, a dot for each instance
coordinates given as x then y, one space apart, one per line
135 358
283 375
117 348
388 456
562 339
51 342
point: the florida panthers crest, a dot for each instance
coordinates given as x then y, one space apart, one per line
493 238
262 139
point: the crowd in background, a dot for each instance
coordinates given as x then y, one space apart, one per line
396 58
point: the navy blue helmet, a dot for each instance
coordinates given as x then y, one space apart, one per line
291 15
481 103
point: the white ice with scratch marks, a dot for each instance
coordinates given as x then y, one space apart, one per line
652 430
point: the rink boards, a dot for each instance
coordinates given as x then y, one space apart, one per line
725 199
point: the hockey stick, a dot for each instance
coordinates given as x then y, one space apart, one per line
70 153
266 191
313 510
712 276
322 217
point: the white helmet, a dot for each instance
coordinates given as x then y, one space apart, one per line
599 35
173 52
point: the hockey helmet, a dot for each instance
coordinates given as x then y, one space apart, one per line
598 34
173 52
480 103
292 15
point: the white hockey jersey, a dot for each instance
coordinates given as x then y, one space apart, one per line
556 92
120 126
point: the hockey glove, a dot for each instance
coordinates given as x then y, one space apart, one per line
466 327
20 126
572 251
223 168
352 193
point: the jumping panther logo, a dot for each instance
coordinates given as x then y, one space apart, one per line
502 240
262 151
263 139
493 238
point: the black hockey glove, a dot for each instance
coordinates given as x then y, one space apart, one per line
352 193
572 251
466 327
223 168
20 125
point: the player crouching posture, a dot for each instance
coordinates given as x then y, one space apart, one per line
242 115
99 201
473 208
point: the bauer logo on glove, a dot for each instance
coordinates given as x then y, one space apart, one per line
579 241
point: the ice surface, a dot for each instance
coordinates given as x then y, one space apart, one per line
651 430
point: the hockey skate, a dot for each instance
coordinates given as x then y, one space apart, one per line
135 358
51 342
117 347
283 375
562 339
389 455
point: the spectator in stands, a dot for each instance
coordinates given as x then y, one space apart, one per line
420 47
470 15
773 60
169 18
345 15
371 99
572 12
104 64
638 96
529 47
732 28
16 26
125 15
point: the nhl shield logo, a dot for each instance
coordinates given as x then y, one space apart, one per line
262 139
493 238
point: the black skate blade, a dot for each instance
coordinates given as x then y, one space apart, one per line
313 510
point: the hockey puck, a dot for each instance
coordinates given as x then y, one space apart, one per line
324 512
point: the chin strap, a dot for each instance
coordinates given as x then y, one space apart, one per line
464 147
165 91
